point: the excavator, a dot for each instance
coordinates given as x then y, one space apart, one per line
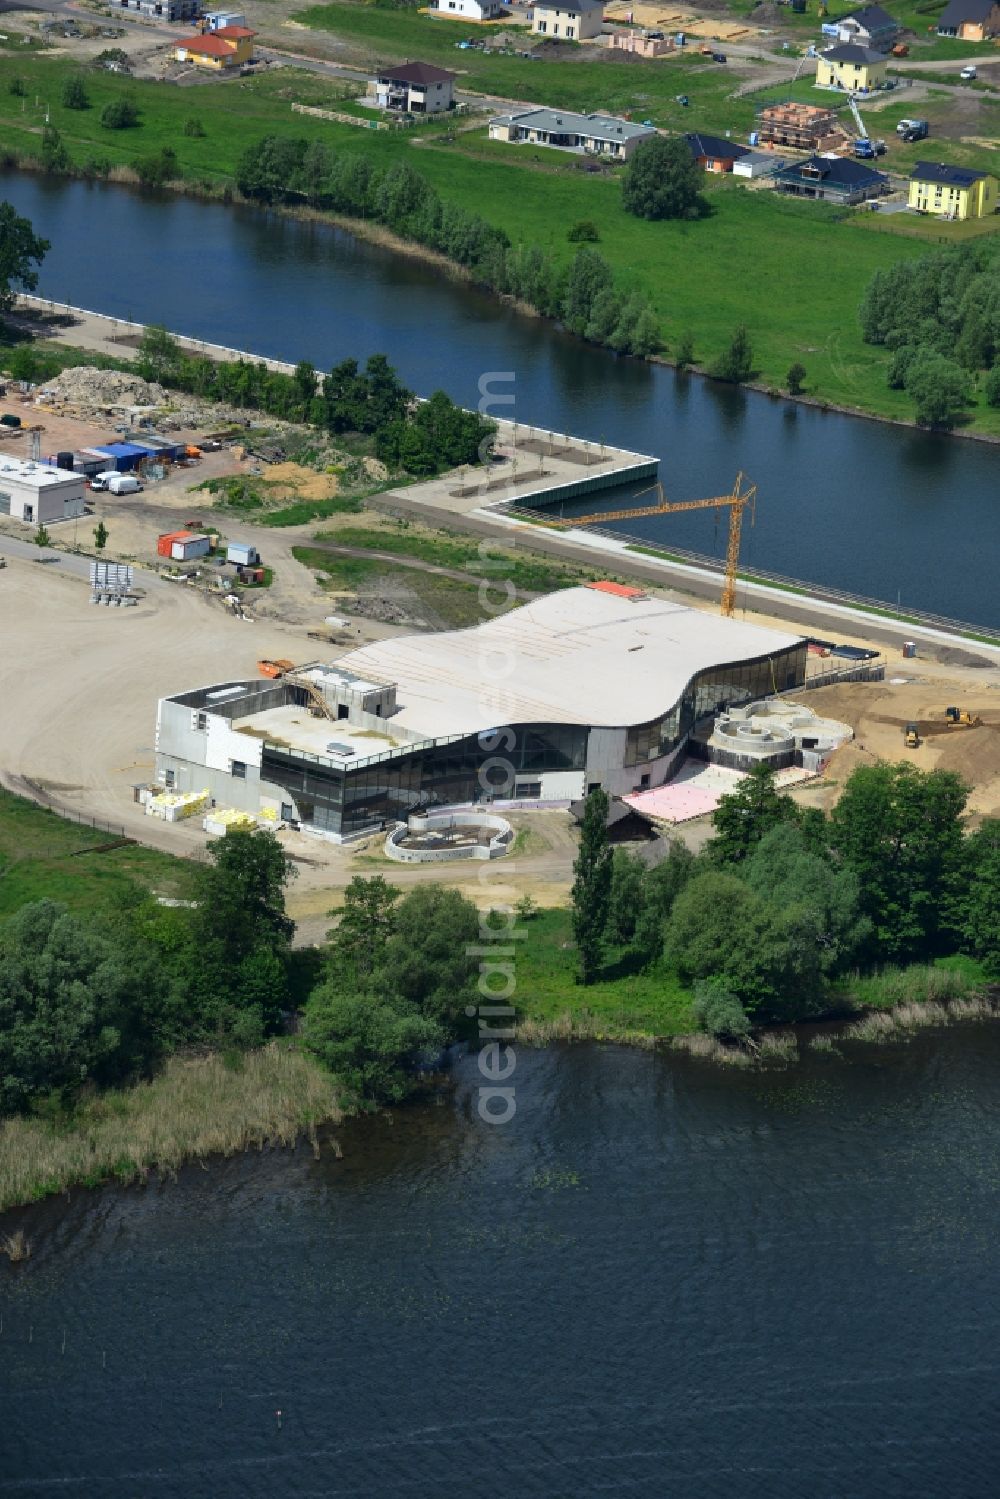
911 736
961 718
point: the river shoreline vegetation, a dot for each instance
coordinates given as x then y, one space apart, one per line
117 1012
680 273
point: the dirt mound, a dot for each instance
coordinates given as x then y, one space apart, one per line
89 388
305 483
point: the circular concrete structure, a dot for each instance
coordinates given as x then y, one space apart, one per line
436 837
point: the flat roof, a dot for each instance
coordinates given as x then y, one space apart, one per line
38 475
579 656
296 728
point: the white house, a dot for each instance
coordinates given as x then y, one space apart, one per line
37 493
413 88
572 20
217 20
469 10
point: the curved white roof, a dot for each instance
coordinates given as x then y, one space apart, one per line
579 656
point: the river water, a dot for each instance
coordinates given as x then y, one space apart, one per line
887 512
660 1279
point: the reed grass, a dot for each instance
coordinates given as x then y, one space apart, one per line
777 1046
581 1027
900 1023
197 1107
15 1246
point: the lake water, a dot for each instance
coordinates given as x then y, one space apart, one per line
659 1279
887 512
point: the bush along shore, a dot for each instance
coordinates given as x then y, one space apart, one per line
139 1035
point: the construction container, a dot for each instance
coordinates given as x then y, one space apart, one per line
64 460
10 421
182 546
242 553
275 668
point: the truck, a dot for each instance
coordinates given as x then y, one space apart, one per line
913 130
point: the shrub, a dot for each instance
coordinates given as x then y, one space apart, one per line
795 378
194 127
991 387
74 94
584 231
736 364
685 351
719 1012
120 114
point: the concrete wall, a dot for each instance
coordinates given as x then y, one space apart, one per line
41 504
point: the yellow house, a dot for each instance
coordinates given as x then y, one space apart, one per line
954 192
574 20
851 67
229 47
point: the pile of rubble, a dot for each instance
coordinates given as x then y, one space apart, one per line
94 391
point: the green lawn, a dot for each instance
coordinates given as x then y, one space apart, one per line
533 575
655 1002
44 856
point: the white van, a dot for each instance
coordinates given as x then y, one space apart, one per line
100 481
968 73
122 484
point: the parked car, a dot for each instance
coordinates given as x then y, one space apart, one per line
968 73
913 130
718 57
100 481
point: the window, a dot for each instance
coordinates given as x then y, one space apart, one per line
168 778
287 811
201 722
29 512
238 769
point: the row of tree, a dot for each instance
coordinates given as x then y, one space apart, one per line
940 316
582 295
421 438
783 901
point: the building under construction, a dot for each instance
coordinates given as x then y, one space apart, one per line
805 127
599 685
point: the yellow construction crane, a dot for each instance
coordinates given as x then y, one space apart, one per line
737 501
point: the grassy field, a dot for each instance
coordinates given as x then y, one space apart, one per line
532 574
42 856
653 1003
196 1108
792 271
451 603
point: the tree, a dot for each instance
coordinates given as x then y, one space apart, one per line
719 1012
55 157
787 872
429 959
765 956
41 537
194 128
76 1005
589 275
744 816
991 387
591 891
900 830
663 181
626 897
17 87
980 901
736 364
939 388
795 378
684 353
74 94
240 928
20 250
367 921
159 355
155 170
100 536
371 1042
120 114
661 887
584 231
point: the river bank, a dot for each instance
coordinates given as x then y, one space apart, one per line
691 287
197 1107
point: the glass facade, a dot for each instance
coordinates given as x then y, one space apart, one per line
710 692
348 799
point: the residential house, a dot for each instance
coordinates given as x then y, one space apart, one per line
852 67
970 20
713 152
834 179
623 823
870 26
229 47
574 20
595 134
467 10
953 192
413 88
